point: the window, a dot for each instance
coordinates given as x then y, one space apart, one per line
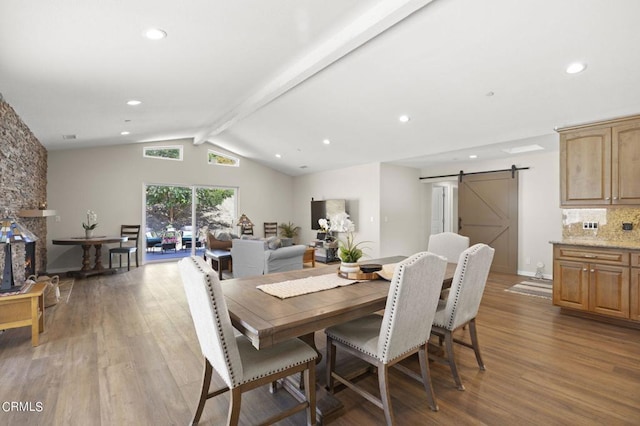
163 152
222 159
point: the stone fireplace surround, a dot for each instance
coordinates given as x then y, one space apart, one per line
23 184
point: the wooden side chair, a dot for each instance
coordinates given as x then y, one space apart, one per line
270 229
461 306
383 341
128 247
237 362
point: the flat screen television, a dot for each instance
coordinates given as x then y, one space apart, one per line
323 209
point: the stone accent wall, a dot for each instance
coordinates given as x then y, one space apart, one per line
23 183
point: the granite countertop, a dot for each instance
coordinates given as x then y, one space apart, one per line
630 245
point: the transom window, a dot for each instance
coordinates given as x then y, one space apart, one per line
163 152
220 159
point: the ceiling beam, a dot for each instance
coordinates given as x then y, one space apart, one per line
376 20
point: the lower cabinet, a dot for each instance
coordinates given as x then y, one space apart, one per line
598 281
634 291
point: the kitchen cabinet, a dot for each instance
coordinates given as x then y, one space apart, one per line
594 280
600 163
634 291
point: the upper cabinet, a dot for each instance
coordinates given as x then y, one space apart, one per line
600 163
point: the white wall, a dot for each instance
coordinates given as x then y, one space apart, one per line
359 185
110 181
404 225
539 213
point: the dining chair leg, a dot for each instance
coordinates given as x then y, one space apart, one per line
448 342
129 261
474 342
235 401
110 257
426 378
137 256
385 396
204 391
120 260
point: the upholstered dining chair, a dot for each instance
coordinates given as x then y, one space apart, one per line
448 244
383 341
461 307
235 360
128 247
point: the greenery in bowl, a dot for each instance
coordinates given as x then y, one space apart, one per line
350 252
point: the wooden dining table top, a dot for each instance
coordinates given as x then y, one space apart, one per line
267 320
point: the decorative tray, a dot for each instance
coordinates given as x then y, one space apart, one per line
359 275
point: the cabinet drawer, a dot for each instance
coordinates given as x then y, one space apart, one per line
598 255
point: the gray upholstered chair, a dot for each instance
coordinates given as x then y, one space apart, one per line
461 307
385 340
448 244
239 364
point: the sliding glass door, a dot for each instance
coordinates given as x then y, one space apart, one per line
178 218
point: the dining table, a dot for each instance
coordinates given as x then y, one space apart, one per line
86 244
268 320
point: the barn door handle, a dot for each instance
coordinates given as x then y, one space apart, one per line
459 223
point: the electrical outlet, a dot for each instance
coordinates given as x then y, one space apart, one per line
626 226
589 225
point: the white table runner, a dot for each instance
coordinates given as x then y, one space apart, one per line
292 288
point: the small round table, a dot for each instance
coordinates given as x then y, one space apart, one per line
86 244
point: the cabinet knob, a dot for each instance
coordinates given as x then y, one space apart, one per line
584 270
607 198
615 198
593 270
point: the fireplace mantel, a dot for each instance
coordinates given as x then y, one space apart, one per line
36 213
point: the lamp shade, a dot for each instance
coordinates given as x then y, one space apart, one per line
12 231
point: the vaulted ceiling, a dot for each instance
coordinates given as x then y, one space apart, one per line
260 78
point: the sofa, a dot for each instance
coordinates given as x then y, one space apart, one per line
258 257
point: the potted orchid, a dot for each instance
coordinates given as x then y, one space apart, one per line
92 222
349 251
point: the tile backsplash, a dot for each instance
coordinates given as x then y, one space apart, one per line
609 224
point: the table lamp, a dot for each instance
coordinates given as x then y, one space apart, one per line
11 231
245 223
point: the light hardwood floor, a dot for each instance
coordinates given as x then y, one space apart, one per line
123 351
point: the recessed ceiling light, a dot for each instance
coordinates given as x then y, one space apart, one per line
68 137
326 141
576 67
489 94
155 34
278 156
473 156
125 133
404 118
133 102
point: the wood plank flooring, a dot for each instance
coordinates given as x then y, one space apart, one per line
123 351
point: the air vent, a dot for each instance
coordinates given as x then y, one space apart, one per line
68 137
303 167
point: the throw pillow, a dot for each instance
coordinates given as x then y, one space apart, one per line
274 243
223 236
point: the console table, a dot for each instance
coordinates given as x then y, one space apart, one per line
24 309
